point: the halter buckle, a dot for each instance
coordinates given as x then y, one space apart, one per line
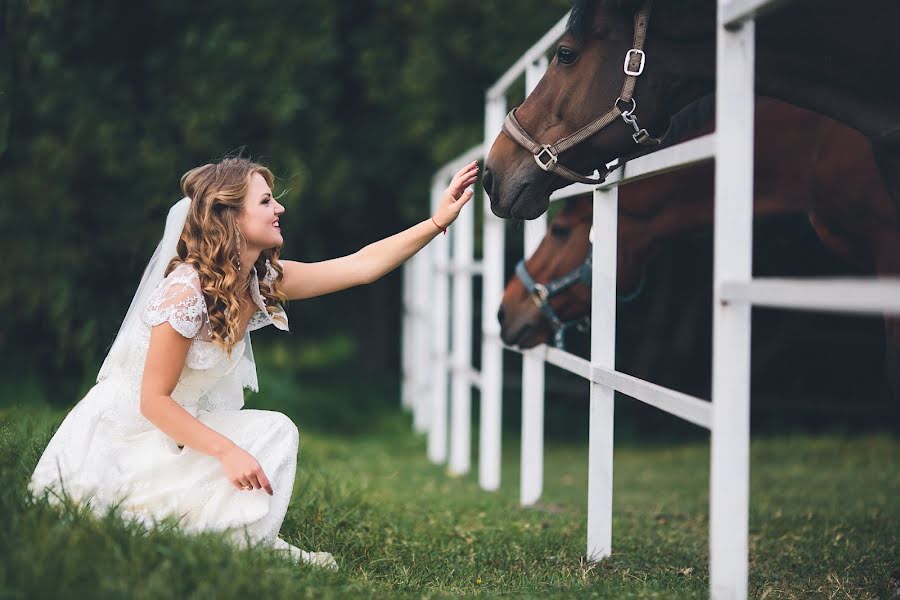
550 161
641 136
626 113
628 56
540 294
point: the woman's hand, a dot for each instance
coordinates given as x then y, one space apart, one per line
456 195
243 470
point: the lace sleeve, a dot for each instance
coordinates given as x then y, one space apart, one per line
179 300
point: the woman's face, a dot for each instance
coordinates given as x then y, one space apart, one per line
258 220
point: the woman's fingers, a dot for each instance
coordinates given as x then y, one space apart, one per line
457 188
266 485
254 481
469 167
459 192
464 178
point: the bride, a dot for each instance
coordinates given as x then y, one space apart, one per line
163 432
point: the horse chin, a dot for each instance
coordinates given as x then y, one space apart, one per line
530 206
526 335
526 200
535 340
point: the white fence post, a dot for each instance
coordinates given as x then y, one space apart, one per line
462 240
493 245
439 350
730 438
420 404
603 354
531 482
408 352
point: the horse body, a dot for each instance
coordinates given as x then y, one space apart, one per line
818 54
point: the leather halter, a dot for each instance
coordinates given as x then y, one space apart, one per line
547 155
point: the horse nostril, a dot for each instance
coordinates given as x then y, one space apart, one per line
487 180
500 314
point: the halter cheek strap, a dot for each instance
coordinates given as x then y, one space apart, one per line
547 155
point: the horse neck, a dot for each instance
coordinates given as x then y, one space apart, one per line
850 85
682 48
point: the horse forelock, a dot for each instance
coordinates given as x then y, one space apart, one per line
581 19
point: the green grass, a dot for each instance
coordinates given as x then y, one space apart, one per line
825 518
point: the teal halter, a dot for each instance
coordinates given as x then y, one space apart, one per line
542 293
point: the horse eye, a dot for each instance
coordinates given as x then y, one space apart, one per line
566 55
560 232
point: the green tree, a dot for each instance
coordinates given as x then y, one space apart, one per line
103 105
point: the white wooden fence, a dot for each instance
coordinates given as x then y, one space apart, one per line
437 366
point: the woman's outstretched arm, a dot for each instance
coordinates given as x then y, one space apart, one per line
306 280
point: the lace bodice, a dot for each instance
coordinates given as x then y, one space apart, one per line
204 382
179 300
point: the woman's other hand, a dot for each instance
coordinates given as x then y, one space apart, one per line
457 194
244 471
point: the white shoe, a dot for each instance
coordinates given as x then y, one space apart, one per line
320 559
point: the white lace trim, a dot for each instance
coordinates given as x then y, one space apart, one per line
263 317
178 299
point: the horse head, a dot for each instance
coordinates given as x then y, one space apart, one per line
564 250
563 255
586 80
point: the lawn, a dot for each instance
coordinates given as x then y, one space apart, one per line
824 518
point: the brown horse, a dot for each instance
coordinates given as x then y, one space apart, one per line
820 168
825 55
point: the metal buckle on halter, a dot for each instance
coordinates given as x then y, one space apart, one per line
540 294
640 135
631 110
551 161
640 68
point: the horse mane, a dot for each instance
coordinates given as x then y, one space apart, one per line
690 119
581 19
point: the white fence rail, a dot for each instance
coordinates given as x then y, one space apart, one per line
438 376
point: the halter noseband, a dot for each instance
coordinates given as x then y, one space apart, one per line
547 155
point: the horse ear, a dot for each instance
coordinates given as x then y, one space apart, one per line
626 5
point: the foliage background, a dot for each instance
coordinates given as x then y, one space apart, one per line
104 105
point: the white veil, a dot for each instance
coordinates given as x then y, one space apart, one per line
118 354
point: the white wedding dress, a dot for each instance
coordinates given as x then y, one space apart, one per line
106 452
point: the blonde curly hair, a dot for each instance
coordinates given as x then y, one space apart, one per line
210 237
